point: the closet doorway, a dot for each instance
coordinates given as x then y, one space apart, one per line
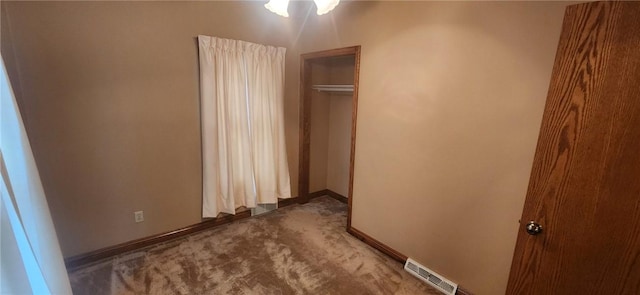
328 108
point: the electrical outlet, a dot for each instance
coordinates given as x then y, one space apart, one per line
139 215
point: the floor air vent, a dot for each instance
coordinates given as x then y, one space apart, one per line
263 208
430 277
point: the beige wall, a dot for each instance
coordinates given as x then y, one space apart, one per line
451 97
110 98
330 127
339 144
450 104
319 129
339 141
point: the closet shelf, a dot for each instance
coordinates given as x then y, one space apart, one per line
333 88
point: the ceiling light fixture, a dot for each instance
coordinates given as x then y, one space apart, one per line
325 6
279 7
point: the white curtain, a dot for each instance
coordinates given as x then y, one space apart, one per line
31 261
243 146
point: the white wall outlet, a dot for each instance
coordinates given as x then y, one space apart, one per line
139 215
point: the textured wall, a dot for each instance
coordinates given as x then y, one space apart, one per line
450 104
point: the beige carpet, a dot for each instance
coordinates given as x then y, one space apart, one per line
300 249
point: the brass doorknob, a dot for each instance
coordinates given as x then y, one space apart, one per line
533 228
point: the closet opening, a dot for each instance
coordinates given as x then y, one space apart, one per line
328 109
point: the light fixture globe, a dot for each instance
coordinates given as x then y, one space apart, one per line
278 7
325 6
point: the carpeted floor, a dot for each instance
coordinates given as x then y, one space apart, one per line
300 249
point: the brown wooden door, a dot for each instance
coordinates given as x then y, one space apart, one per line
585 183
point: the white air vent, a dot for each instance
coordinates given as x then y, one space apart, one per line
263 208
430 277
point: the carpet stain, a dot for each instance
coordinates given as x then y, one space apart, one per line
300 249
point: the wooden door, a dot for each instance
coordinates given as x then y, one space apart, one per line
585 183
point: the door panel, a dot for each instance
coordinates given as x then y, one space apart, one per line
585 182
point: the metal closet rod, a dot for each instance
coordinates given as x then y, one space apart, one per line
337 88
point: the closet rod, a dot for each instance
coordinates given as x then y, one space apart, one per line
335 88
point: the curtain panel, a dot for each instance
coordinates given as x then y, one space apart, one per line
243 145
30 257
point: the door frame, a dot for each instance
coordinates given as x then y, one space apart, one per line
305 119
